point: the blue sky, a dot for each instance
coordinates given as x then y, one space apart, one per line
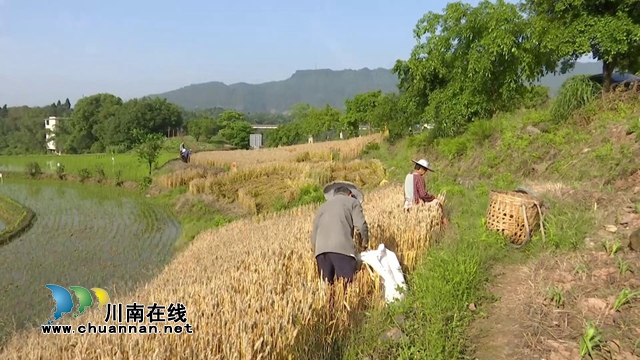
52 50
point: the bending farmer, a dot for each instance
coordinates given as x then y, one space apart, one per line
182 148
414 185
332 236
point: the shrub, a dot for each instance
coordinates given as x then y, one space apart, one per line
33 170
60 172
574 94
145 182
100 174
84 174
118 177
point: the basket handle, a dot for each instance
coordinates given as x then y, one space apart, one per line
526 221
541 223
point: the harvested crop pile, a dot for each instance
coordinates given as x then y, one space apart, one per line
258 188
345 149
251 292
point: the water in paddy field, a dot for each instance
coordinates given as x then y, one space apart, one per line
82 236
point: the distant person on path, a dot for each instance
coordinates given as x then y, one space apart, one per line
332 236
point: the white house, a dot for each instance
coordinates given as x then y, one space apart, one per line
50 124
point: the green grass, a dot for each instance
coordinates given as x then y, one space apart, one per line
493 154
454 274
194 218
16 218
128 164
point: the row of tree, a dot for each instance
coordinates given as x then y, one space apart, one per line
22 128
106 123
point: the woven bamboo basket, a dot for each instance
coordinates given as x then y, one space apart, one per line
514 215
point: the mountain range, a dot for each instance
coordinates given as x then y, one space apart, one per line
315 87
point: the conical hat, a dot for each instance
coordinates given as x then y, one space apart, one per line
329 190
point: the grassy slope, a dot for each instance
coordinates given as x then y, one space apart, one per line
493 154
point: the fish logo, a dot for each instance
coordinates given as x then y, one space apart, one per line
64 300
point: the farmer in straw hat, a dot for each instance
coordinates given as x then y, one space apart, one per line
332 235
415 190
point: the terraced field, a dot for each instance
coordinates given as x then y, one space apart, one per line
84 236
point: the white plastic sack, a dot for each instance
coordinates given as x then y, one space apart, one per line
386 264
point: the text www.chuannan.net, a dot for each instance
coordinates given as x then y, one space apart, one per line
90 328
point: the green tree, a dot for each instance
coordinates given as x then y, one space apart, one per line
359 110
237 134
149 147
88 115
202 127
67 104
315 122
143 115
471 62
230 116
287 134
609 30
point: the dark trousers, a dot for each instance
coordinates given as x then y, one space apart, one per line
333 265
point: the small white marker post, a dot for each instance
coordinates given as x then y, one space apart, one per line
1 179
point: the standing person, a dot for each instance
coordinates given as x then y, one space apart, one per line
332 236
414 186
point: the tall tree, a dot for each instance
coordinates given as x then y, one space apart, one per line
148 148
471 62
237 134
359 110
608 30
89 113
67 104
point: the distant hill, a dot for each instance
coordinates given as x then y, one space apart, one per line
315 87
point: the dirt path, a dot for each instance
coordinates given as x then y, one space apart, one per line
543 307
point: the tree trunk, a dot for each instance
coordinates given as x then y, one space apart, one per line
607 72
150 167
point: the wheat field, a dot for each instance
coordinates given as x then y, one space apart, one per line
344 149
251 292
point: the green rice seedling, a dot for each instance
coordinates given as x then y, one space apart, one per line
623 266
624 297
590 341
556 296
612 248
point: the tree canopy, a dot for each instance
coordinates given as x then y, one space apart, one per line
608 30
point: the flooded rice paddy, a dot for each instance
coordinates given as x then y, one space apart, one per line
84 236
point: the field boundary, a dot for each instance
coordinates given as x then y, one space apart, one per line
17 217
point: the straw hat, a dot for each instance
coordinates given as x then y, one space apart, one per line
424 163
329 190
